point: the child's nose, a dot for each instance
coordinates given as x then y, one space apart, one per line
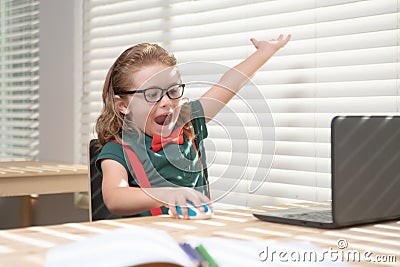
165 101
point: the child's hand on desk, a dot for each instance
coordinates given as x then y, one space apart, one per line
174 196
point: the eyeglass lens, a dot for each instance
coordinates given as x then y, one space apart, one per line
156 94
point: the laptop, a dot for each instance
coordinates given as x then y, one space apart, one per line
365 166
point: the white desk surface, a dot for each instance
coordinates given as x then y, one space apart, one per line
28 246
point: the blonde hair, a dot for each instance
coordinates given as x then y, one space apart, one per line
110 123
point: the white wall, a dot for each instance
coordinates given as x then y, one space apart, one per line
59 95
60 76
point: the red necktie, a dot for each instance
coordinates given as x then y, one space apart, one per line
159 142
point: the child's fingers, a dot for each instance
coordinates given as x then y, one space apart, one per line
206 200
200 206
185 213
280 41
172 208
196 200
254 41
287 39
182 202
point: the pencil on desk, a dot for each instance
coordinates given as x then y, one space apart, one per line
203 261
193 255
204 253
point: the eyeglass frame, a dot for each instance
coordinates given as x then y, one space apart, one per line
164 92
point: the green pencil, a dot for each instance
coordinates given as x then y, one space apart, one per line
204 253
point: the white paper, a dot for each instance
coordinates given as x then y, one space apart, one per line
139 245
121 247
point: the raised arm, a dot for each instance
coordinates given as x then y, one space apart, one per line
231 82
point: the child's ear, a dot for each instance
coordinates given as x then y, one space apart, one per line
121 105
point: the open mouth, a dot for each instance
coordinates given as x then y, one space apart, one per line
163 119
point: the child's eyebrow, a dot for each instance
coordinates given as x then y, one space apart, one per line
161 87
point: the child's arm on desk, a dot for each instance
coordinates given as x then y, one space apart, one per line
122 199
231 82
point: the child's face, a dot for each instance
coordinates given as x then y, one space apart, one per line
160 117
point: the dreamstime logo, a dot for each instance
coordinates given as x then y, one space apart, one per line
341 254
342 244
241 136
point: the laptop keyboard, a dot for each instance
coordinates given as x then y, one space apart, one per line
315 216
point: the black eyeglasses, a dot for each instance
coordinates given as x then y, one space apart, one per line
154 95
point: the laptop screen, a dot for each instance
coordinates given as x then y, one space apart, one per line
365 168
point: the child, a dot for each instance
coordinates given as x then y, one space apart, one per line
143 103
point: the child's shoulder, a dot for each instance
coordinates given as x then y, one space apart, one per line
113 148
195 105
111 145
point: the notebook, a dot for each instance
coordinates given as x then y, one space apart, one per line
149 247
365 184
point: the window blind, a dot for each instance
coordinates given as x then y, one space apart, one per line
19 79
342 60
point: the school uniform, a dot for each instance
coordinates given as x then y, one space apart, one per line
173 165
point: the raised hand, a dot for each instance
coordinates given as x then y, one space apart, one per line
232 80
273 44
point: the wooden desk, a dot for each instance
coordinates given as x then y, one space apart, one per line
23 178
28 246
